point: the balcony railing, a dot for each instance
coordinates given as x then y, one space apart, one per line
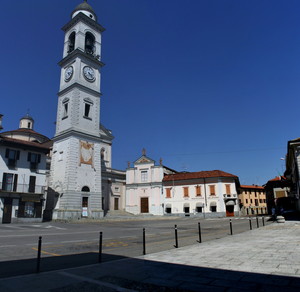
22 188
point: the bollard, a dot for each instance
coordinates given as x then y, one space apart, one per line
176 237
39 255
230 223
263 221
199 230
144 242
100 248
250 223
257 224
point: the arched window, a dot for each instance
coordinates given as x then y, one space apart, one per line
89 43
85 189
71 42
102 153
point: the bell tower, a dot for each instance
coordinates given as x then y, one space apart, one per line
75 175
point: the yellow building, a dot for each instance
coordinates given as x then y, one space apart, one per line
252 200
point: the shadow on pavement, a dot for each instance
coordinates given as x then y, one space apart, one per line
51 263
146 275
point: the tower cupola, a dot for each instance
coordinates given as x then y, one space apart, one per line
86 9
26 122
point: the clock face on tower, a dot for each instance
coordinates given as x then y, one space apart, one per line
68 73
89 73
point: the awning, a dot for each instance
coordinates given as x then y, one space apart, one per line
230 203
213 203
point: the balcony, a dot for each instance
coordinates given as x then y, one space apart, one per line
21 188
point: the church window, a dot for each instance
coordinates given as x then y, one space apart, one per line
85 189
71 42
102 153
144 175
65 108
87 108
89 43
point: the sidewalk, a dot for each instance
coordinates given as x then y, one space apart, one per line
264 259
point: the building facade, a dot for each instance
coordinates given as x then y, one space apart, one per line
277 189
24 164
252 200
205 193
292 173
144 188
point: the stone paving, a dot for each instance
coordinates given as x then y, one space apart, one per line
264 259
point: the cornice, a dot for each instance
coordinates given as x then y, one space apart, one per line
76 133
79 53
80 86
82 17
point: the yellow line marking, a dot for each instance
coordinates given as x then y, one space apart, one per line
45 252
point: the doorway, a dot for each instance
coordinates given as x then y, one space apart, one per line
144 205
230 209
116 205
7 210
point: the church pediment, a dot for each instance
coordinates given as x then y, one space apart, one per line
144 159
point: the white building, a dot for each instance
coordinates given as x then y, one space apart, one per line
205 193
23 167
144 191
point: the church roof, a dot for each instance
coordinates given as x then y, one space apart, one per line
25 132
21 143
84 6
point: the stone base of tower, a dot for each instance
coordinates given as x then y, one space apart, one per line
62 214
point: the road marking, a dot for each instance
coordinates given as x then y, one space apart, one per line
73 241
105 284
55 227
49 253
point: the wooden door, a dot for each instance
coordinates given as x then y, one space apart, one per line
116 205
144 205
230 211
7 210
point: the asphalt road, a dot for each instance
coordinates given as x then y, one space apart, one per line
67 245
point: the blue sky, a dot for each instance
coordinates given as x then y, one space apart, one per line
202 84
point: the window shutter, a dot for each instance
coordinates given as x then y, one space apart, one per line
29 156
4 181
15 182
6 153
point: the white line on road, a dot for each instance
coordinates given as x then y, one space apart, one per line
7 246
71 241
